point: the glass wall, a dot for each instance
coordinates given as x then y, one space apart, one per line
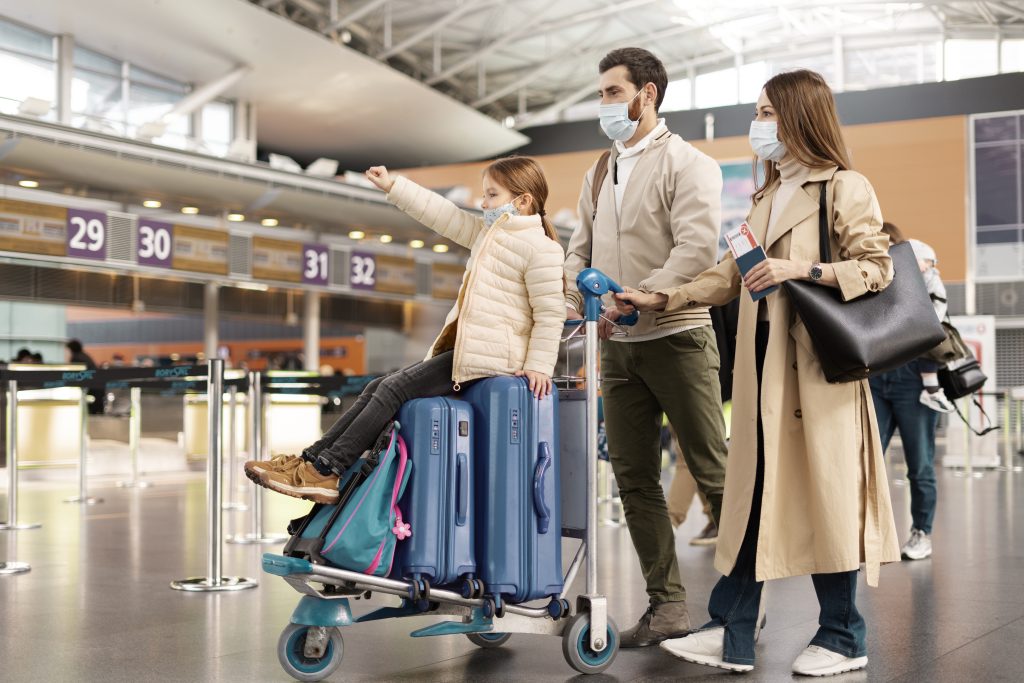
998 164
108 95
28 69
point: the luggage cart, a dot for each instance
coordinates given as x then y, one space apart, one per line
311 647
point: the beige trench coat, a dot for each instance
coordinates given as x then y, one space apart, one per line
826 505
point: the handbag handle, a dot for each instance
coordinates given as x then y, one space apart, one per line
824 244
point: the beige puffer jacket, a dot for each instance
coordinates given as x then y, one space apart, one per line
511 305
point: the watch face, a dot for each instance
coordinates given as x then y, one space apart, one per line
815 272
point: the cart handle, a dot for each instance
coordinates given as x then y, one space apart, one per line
593 284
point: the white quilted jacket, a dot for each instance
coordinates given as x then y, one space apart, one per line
511 306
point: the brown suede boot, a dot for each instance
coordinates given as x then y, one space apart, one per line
661 621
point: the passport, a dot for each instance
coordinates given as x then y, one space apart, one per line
747 253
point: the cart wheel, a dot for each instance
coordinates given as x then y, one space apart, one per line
290 652
488 640
499 607
577 650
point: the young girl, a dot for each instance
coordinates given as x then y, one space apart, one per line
507 319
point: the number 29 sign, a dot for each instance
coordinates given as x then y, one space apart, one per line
87 234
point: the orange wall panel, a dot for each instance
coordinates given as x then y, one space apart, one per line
918 169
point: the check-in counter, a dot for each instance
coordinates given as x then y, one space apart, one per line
291 421
49 433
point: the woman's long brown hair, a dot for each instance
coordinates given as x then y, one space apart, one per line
523 175
808 123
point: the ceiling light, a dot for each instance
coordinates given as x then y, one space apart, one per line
416 244
386 239
254 286
152 204
356 235
346 37
510 122
269 222
440 248
31 184
236 217
190 210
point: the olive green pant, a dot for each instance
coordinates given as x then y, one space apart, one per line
678 376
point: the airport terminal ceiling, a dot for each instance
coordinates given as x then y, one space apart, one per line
527 62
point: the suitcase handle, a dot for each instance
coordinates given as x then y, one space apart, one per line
539 507
462 476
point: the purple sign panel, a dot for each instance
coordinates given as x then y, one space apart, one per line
362 271
87 234
155 243
314 264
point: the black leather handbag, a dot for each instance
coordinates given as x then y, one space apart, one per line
877 331
962 379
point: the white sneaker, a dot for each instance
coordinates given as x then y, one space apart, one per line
703 647
918 547
817 661
937 401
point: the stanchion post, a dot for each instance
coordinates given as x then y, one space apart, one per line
10 566
257 432
214 579
12 462
83 496
134 440
231 504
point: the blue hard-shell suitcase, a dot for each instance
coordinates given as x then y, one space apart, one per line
519 523
438 502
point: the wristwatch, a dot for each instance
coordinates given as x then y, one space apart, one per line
815 273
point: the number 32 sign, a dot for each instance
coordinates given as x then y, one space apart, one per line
87 234
362 270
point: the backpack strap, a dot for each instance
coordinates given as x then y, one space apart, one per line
600 173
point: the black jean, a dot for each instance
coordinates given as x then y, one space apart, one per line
735 598
358 428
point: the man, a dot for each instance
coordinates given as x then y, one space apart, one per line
76 354
655 225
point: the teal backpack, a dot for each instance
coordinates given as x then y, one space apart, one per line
363 534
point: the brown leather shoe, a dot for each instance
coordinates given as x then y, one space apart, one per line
279 463
661 621
305 482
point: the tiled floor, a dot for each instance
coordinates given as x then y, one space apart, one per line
96 605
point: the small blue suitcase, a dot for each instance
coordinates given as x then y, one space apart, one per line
519 523
438 502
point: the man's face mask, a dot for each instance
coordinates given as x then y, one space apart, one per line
616 122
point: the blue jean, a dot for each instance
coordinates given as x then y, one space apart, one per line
736 597
896 396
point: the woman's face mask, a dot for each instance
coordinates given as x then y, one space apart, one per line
764 140
615 121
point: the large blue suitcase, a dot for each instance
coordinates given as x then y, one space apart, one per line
438 502
519 522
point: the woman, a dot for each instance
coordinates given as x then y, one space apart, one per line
507 319
805 486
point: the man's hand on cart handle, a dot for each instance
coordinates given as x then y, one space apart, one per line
631 299
606 325
540 384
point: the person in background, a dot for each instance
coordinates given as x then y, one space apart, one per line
507 319
24 356
655 224
806 490
76 354
909 399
